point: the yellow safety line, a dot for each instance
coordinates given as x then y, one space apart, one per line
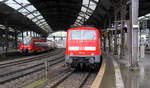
99 77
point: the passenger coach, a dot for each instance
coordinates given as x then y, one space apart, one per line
83 46
31 45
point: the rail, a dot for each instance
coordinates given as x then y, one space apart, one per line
40 65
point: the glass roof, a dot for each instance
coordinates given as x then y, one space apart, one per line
145 17
27 9
4 27
88 7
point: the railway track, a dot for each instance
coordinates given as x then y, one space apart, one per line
71 79
17 54
28 59
38 64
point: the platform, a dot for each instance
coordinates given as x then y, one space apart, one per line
10 52
139 78
130 79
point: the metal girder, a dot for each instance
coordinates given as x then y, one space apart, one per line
23 7
87 8
94 1
31 12
83 17
79 22
87 13
38 20
59 14
43 24
35 17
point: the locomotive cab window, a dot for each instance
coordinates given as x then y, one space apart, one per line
82 35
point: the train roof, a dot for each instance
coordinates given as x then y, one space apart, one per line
83 28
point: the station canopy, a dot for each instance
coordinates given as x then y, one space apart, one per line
61 14
28 10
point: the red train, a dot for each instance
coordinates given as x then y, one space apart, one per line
83 46
31 45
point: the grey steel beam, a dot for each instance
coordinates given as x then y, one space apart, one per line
79 22
16 38
43 25
87 13
116 29
38 20
31 12
35 17
94 1
6 35
23 7
134 42
123 18
88 8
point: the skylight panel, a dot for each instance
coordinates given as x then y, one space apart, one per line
27 9
36 13
88 6
12 4
83 9
38 22
34 20
40 17
92 5
42 20
44 23
23 1
31 8
79 17
30 16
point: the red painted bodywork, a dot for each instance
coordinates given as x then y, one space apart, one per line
32 47
83 43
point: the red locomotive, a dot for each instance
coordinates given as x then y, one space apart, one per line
83 46
31 45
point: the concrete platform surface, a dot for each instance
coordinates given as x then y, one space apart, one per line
139 78
108 80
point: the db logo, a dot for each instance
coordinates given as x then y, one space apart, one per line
81 48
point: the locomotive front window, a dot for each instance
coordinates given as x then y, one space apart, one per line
76 35
82 35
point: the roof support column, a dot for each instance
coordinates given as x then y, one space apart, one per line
134 42
104 42
30 33
27 33
110 39
34 33
6 36
1 41
104 36
16 35
123 18
22 35
109 34
116 30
